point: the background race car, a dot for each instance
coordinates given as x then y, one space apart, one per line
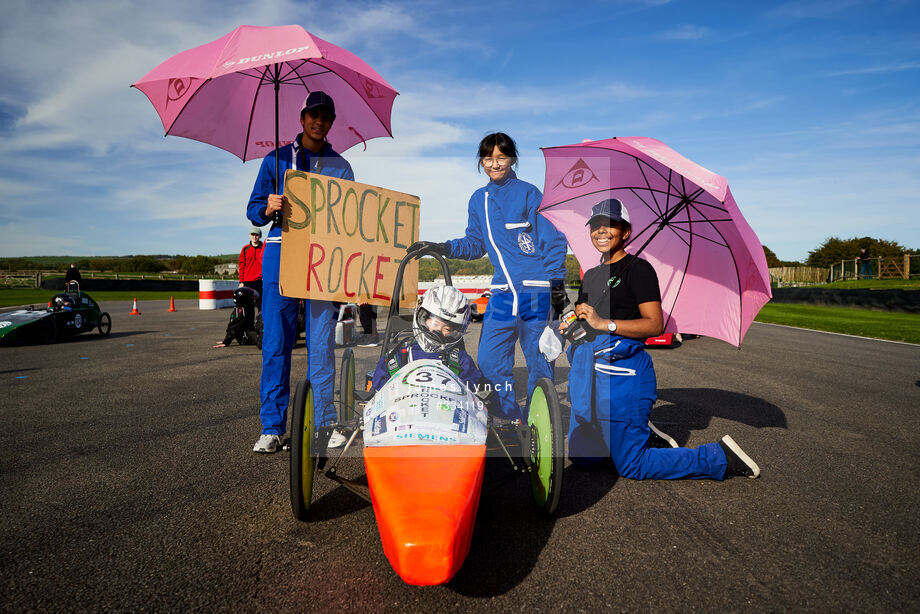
68 313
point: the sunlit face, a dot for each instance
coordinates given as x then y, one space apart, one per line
316 125
609 236
497 165
437 325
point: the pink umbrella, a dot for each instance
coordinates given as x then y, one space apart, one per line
710 264
244 89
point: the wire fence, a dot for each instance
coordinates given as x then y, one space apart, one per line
797 275
906 266
33 279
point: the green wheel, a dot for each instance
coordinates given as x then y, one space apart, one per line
302 458
546 446
346 406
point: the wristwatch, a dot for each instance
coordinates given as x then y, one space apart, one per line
612 326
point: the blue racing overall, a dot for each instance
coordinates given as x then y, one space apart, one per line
527 252
612 389
279 313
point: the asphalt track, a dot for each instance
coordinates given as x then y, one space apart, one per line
128 484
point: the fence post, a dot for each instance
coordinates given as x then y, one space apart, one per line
38 280
906 273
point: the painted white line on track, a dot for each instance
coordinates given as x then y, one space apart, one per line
827 332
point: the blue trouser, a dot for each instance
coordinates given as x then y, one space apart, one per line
612 389
279 321
500 329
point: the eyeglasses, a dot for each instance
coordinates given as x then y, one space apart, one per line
490 162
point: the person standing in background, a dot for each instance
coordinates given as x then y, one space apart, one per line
250 268
865 263
72 274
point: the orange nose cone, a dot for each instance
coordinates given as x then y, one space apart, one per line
425 500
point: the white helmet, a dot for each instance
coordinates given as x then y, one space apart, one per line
445 310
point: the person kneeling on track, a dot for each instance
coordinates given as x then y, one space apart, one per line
612 380
439 323
244 325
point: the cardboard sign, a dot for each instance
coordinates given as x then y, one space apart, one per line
343 240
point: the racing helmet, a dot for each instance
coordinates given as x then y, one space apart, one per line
245 297
441 318
61 301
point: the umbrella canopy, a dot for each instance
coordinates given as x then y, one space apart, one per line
711 266
224 93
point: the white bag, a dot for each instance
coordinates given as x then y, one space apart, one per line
551 342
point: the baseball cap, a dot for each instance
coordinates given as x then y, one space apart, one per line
256 231
611 209
318 99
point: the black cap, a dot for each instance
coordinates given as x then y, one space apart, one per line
611 209
318 99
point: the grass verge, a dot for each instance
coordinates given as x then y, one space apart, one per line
873 284
19 296
889 325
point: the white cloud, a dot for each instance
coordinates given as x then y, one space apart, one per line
686 32
811 9
886 68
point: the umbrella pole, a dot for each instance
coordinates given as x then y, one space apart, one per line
276 216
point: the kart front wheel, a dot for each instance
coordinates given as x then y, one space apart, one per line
302 461
346 407
105 324
546 446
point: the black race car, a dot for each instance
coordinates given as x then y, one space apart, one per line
68 313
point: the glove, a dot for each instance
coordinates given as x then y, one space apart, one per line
430 246
558 294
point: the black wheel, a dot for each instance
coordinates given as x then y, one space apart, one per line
49 329
547 446
105 324
346 407
302 459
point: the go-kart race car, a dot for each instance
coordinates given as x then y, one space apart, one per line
426 437
68 313
478 306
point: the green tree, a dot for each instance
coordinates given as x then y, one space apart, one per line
833 250
142 264
772 260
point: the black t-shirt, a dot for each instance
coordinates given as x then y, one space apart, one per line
637 284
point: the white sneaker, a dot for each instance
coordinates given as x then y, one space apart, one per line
337 440
267 444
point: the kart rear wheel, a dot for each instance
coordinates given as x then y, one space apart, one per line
546 446
346 406
105 324
302 461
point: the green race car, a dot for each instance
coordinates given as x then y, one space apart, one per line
68 313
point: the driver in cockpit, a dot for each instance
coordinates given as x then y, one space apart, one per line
439 323
63 302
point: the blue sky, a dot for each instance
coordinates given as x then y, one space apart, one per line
810 109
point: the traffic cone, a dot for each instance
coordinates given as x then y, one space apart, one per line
135 312
172 304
